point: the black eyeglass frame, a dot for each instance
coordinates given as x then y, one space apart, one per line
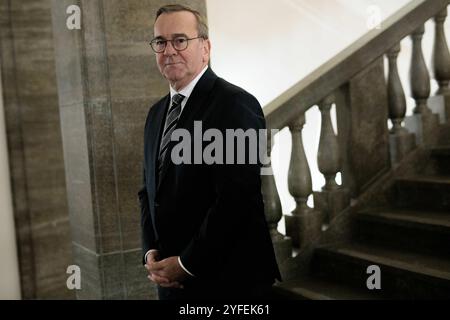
171 41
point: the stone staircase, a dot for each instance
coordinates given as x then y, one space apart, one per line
409 239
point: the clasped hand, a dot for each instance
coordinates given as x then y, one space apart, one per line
167 272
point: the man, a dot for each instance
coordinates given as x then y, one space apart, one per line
204 233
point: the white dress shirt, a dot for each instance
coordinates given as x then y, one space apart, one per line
186 91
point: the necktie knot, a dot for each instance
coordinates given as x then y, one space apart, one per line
177 99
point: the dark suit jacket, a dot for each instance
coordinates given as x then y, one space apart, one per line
212 216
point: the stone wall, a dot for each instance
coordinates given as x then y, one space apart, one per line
35 148
75 108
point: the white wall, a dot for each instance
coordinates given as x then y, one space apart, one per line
266 46
9 268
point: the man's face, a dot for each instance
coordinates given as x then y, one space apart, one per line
180 67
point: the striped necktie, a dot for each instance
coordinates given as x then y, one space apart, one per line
171 122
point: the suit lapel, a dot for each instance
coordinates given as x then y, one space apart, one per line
193 106
198 98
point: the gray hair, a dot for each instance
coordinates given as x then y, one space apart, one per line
202 26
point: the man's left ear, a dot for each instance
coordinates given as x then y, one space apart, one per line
207 48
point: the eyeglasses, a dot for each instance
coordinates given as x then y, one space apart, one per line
178 43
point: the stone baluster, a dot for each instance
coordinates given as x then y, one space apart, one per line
441 62
328 157
333 198
304 223
424 123
419 77
441 55
299 176
272 208
396 95
401 142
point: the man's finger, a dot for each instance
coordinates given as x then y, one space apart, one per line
174 284
148 268
167 284
161 274
152 257
158 280
157 265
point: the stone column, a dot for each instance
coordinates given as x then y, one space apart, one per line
34 148
9 277
107 81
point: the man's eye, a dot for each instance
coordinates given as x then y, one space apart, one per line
160 42
180 40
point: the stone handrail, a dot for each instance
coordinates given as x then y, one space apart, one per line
338 70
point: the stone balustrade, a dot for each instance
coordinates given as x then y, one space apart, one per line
306 223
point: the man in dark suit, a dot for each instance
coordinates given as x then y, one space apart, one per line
204 232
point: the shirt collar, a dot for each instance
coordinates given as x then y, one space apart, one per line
186 91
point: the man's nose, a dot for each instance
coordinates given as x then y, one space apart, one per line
169 50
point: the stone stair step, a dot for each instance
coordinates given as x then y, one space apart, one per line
427 192
404 275
421 231
441 151
311 288
444 134
440 159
